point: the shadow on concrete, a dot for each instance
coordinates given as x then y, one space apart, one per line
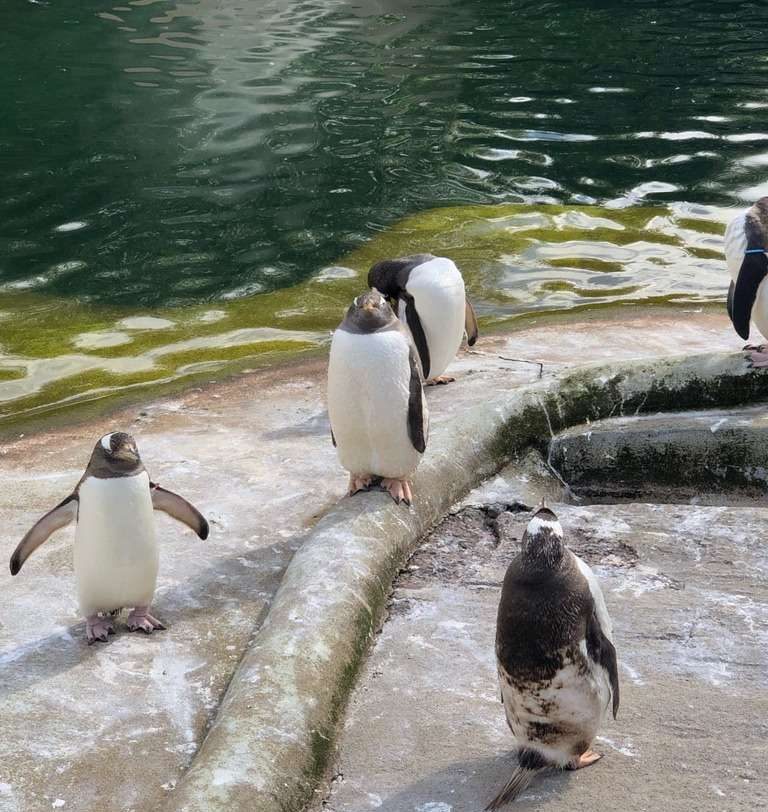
244 583
317 425
468 786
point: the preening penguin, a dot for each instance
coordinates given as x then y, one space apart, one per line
746 241
116 556
429 295
555 656
376 404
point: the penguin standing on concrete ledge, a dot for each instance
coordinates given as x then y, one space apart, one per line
116 556
746 242
376 404
430 298
556 661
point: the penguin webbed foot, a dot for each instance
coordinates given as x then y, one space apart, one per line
141 620
584 760
440 380
359 482
399 490
757 356
98 629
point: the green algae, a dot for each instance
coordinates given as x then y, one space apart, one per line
519 262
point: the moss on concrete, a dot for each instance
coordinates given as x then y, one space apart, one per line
710 451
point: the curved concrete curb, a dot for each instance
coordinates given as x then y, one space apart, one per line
271 740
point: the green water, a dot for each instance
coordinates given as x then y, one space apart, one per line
187 185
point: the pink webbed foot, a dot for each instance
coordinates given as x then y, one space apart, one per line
440 380
757 356
359 482
584 760
398 489
98 629
141 620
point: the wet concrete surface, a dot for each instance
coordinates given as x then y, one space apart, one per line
113 727
687 588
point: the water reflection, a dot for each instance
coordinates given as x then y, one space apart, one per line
186 151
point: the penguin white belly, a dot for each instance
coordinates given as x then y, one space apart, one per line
368 390
760 309
437 287
561 719
735 244
116 555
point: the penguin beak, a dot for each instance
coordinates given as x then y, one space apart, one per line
128 452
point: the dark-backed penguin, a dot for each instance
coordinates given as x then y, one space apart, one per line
746 241
429 295
376 404
555 656
116 556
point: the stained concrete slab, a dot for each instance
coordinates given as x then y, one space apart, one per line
687 587
115 727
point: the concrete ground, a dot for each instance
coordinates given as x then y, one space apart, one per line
113 727
686 587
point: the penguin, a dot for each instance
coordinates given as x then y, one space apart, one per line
429 294
556 660
378 413
116 555
746 241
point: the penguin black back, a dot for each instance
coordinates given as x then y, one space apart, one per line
545 603
754 268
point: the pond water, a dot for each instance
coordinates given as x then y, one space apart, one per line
186 184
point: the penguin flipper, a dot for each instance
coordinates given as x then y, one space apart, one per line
418 424
753 270
470 323
64 513
602 651
417 331
178 508
729 300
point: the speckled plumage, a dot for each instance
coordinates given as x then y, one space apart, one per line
556 661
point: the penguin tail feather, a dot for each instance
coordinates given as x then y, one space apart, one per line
530 764
521 778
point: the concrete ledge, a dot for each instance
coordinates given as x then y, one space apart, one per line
271 741
713 450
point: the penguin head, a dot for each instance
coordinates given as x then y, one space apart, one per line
116 451
544 521
543 539
371 302
371 310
